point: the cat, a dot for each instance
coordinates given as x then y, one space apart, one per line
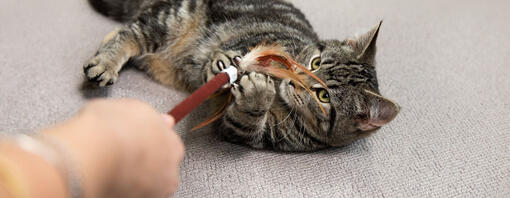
184 43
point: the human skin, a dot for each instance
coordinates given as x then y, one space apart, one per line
121 148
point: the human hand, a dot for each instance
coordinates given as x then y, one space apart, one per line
123 148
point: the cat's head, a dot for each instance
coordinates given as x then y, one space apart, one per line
354 108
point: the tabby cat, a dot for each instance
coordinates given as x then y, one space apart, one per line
184 43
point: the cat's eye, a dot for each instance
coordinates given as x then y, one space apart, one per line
316 63
323 96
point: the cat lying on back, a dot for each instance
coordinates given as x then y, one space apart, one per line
184 43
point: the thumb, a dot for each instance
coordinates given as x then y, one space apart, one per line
169 120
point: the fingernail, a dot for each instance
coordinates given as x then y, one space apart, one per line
168 119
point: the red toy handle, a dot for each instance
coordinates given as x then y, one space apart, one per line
200 95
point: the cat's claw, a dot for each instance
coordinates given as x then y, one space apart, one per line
220 61
255 92
100 71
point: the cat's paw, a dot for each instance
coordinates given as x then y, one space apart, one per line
220 61
101 70
255 92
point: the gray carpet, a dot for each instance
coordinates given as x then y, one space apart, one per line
447 64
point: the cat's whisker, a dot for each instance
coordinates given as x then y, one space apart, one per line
285 119
262 59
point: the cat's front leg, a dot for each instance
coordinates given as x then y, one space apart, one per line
219 61
115 51
142 36
254 97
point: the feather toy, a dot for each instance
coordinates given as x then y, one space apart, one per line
271 60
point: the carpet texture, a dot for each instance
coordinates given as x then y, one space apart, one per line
446 64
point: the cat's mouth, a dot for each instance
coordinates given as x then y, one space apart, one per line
289 95
292 84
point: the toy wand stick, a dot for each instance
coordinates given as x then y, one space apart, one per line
228 75
259 59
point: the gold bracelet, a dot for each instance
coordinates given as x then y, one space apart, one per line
54 153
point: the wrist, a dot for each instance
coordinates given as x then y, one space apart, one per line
25 173
91 153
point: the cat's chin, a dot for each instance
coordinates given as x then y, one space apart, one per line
287 93
284 91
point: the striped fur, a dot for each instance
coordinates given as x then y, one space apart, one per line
183 43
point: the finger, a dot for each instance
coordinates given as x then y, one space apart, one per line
169 120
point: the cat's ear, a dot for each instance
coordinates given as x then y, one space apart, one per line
382 112
364 46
